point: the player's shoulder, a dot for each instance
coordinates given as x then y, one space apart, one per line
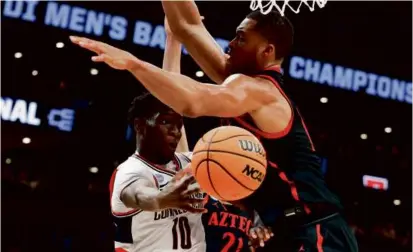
237 80
184 156
132 165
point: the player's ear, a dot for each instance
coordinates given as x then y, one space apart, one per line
139 125
269 50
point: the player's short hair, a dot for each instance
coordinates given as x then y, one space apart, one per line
277 29
144 106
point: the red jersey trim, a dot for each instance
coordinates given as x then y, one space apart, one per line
306 131
273 68
320 238
274 135
119 214
292 185
158 168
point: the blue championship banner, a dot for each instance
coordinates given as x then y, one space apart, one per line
30 113
143 33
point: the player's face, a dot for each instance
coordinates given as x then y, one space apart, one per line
244 49
164 130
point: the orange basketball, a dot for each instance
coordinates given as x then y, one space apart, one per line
229 163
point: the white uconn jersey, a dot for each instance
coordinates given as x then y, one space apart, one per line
168 230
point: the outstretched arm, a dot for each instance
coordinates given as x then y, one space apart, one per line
172 63
143 194
238 95
186 24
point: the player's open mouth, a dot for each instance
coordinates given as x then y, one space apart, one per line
173 144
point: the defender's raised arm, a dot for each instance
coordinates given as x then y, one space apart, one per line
186 24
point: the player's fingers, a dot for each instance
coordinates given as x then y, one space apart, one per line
187 181
194 201
253 242
189 192
268 233
93 46
100 58
192 209
261 236
74 39
253 233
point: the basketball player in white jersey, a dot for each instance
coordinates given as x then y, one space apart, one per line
145 198
153 211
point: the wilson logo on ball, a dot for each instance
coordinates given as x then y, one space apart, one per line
253 173
247 145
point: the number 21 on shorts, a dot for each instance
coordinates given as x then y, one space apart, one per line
231 242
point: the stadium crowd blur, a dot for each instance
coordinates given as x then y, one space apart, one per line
54 182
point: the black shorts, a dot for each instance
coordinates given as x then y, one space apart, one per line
330 235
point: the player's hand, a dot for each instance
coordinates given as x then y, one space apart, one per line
114 57
259 235
179 193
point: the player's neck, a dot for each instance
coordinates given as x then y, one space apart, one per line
272 64
152 156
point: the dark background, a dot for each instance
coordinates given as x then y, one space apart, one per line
50 200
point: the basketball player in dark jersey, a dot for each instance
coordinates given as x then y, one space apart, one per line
251 94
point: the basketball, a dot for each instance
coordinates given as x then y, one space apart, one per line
229 163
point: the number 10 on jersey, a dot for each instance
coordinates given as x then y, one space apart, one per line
181 226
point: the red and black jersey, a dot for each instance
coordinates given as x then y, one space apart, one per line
294 167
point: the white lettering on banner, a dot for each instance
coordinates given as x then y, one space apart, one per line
158 37
26 113
6 107
29 13
118 28
342 78
360 80
408 96
142 32
57 16
297 67
146 34
13 9
383 87
19 111
312 70
347 78
77 19
31 118
397 91
326 75
372 84
62 119
94 23
82 20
